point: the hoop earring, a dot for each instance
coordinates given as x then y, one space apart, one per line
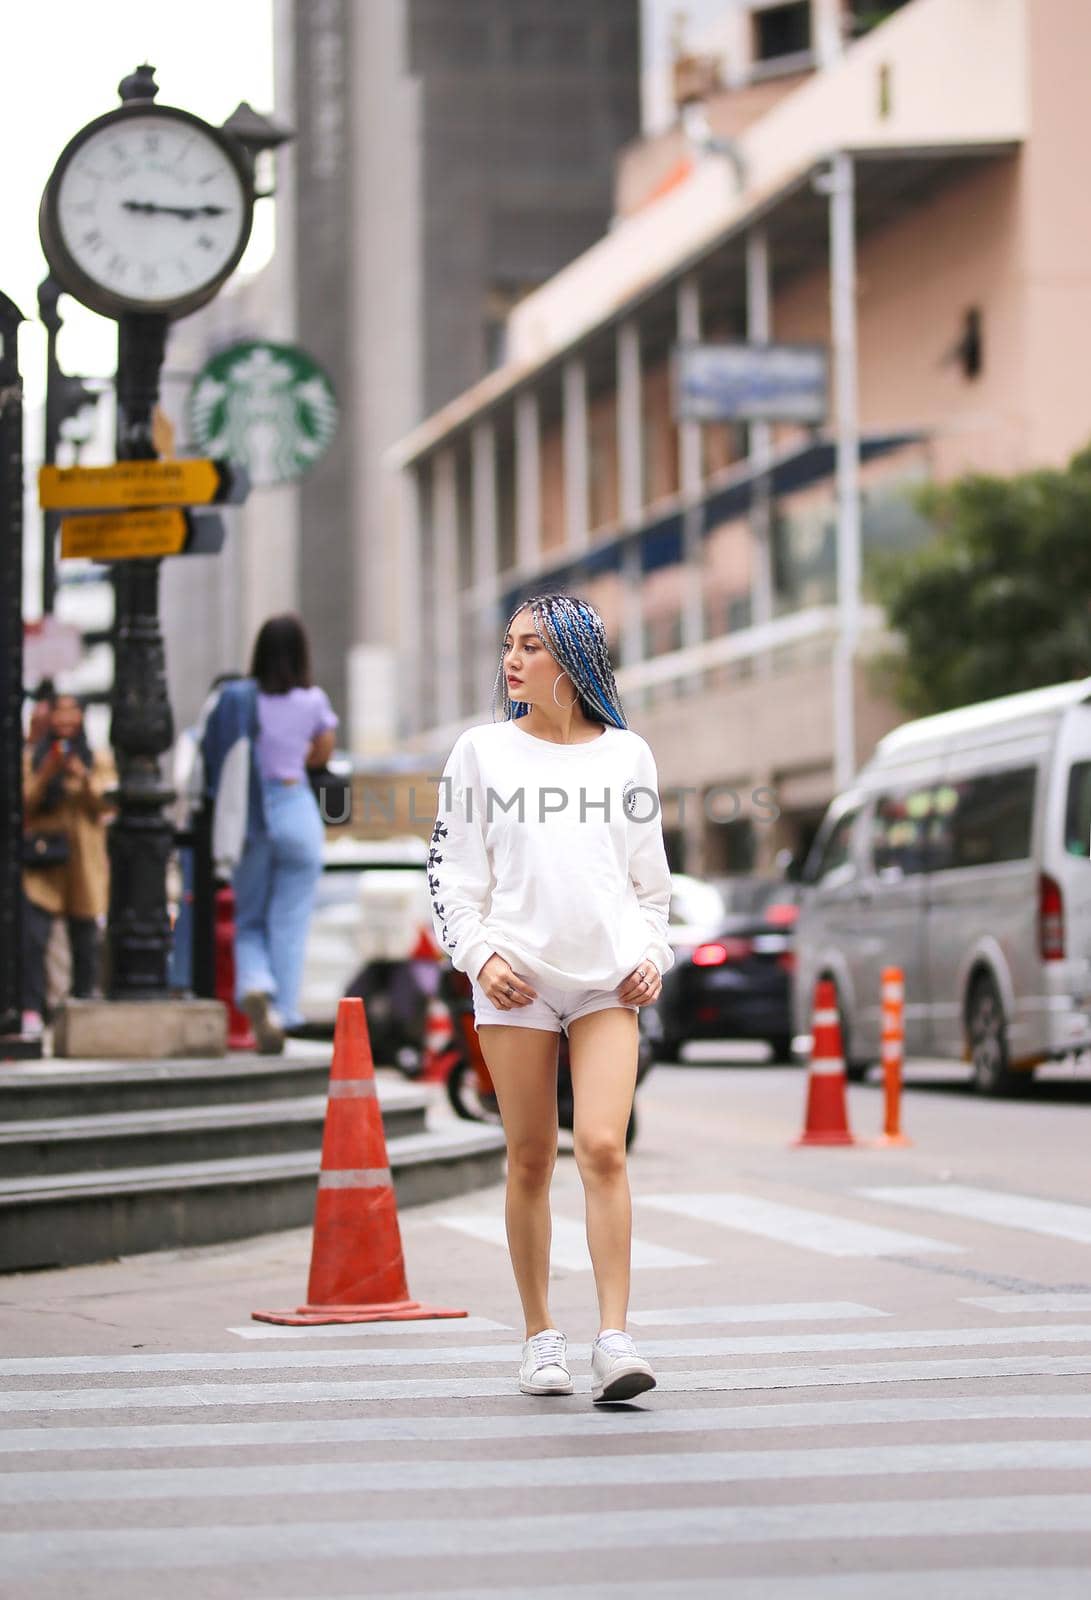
556 681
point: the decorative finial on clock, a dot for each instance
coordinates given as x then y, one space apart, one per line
139 85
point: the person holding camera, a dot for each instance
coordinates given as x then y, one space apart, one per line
65 868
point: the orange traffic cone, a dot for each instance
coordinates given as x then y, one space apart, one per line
893 1051
426 948
357 1268
439 1031
826 1121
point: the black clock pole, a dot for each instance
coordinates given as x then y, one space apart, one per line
141 725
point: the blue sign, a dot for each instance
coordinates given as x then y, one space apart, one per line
751 383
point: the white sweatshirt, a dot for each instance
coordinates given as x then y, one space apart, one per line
551 855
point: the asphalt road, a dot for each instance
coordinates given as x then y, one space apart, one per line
875 1376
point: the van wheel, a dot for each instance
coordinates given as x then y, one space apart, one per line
987 1029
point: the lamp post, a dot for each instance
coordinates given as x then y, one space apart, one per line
256 133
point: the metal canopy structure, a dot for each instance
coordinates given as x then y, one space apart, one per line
660 542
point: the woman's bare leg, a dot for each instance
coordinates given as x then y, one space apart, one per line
603 1049
522 1063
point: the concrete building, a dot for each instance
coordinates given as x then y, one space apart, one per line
448 158
908 195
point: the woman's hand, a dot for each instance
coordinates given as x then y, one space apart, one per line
642 986
503 987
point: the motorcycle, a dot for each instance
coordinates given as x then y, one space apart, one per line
398 996
461 1064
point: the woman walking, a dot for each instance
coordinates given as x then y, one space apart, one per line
260 739
550 889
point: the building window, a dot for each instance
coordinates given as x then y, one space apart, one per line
730 847
782 31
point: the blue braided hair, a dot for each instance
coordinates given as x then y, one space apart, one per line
575 636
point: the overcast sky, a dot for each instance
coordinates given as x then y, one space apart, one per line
67 58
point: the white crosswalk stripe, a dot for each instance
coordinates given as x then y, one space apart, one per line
958 1583
791 1311
1032 1304
567 1471
678 1527
571 1425
569 1246
198 1396
1002 1208
799 1226
166 1477
251 1361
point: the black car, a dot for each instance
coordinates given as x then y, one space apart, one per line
737 983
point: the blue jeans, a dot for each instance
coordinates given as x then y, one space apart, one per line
274 892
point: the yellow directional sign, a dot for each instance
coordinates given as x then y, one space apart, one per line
124 536
196 482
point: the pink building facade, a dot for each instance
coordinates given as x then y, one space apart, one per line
732 563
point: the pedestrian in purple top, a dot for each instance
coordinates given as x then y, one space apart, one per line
281 860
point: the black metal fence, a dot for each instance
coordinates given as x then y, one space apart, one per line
11 666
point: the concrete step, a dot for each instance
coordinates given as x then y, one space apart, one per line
64 1089
80 1217
53 1145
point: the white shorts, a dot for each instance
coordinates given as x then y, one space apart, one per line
553 1009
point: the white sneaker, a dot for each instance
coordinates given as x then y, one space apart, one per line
545 1364
265 1020
617 1372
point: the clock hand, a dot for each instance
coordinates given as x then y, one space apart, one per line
149 208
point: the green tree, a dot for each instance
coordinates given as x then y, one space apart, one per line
1000 599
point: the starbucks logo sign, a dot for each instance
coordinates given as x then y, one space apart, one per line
268 407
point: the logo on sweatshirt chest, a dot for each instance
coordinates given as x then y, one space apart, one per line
630 797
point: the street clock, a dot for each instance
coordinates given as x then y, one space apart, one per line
148 210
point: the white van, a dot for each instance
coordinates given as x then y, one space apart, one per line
962 854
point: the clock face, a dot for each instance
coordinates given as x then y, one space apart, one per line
150 209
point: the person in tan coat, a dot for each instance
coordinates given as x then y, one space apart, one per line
65 786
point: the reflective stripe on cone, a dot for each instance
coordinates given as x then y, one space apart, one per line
826 1119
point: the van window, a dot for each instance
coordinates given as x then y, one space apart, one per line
906 830
1077 811
833 850
990 818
